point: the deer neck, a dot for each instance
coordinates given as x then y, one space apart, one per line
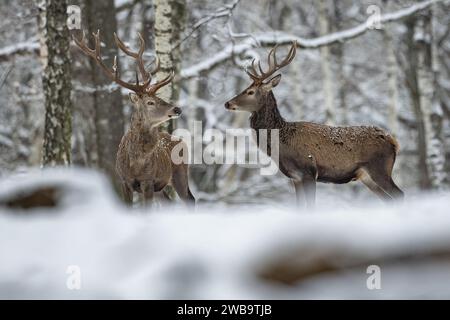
143 134
268 116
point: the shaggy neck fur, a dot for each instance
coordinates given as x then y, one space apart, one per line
143 133
268 116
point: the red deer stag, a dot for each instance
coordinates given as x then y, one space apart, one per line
310 152
143 160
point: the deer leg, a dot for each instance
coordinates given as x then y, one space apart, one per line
385 182
161 198
372 186
299 192
399 194
388 185
306 188
309 184
166 196
181 185
127 193
147 192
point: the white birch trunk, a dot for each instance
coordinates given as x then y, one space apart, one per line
429 102
56 83
169 22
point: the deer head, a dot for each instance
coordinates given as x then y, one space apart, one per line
249 99
148 108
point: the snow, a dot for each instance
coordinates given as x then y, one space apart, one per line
225 11
6 141
18 48
220 253
277 37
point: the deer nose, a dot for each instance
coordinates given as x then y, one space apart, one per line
227 105
177 110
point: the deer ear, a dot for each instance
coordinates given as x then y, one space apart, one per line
272 83
133 97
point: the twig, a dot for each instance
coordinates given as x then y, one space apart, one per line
225 11
5 76
126 5
19 48
281 38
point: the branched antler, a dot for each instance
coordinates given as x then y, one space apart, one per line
113 73
274 66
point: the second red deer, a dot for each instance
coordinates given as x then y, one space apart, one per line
310 152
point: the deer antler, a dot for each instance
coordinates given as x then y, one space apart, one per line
274 66
113 73
155 87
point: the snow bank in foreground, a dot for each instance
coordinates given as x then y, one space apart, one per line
238 253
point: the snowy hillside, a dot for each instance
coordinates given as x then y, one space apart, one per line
226 252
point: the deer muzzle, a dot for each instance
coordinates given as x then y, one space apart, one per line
229 106
175 112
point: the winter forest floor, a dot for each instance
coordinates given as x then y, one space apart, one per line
218 251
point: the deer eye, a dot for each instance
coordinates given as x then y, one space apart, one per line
251 92
150 103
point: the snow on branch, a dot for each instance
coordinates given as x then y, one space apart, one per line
225 11
122 5
278 37
18 48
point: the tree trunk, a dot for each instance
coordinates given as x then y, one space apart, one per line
412 85
392 77
429 102
392 83
107 103
56 83
148 24
328 89
169 24
283 20
338 50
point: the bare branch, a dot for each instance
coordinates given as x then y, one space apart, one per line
19 48
269 39
129 5
5 76
225 11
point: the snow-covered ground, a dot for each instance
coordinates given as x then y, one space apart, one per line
90 238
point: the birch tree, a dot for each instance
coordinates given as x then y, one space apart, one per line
56 83
107 103
429 102
169 24
411 79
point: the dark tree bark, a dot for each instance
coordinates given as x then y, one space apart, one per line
392 71
108 116
148 23
327 73
338 52
56 83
